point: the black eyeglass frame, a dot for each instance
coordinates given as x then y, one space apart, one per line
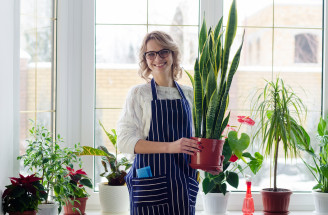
157 53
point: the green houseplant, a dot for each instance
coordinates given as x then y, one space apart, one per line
280 113
211 84
74 193
319 169
113 195
46 157
234 151
23 195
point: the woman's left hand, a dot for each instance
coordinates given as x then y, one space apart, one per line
214 172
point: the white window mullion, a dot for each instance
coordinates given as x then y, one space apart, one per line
213 11
325 65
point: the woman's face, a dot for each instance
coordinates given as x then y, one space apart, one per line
159 66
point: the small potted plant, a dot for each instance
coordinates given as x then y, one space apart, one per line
47 158
320 168
73 193
23 195
280 113
216 196
113 194
211 84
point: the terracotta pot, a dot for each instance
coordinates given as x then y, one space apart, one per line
23 213
275 202
68 208
211 157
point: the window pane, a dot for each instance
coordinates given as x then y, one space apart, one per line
173 12
118 44
291 13
121 12
257 13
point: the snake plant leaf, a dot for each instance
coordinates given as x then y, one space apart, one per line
217 29
238 145
231 30
202 36
210 86
87 150
198 100
218 57
210 116
191 78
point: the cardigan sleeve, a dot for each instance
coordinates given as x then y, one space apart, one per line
129 126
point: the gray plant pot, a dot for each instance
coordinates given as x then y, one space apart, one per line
48 209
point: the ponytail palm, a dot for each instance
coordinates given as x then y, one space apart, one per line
212 78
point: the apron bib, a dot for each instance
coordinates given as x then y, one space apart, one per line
173 187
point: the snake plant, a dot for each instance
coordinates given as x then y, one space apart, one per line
212 78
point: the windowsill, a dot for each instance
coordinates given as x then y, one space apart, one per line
95 212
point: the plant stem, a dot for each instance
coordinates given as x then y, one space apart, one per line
275 164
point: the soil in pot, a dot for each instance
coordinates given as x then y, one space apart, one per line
276 202
210 158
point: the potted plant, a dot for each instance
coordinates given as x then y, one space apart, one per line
113 194
320 168
73 193
48 160
23 195
216 196
280 112
211 84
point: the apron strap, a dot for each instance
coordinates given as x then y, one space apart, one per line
154 89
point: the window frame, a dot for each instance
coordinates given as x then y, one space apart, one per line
76 85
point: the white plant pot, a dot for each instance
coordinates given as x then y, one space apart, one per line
47 209
320 203
114 199
215 203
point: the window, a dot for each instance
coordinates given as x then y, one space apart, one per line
270 26
306 48
37 65
118 39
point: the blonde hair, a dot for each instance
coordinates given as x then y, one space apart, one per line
166 42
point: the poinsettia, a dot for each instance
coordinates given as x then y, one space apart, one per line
78 179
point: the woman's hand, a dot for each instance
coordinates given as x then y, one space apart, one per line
214 172
185 145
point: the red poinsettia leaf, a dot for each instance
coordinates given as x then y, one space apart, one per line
81 172
69 169
233 158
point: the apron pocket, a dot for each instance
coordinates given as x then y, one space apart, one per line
150 191
193 190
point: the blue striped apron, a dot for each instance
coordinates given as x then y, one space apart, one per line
173 188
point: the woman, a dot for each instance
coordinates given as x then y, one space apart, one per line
155 125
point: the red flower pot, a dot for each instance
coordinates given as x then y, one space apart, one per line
68 208
276 202
23 213
210 158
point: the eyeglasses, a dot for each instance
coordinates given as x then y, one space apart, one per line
152 54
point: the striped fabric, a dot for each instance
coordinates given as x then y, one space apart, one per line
173 187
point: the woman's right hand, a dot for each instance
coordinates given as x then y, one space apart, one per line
185 145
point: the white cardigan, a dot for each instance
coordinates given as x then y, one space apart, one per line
134 121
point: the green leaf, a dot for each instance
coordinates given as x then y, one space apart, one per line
223 188
238 145
191 78
202 36
317 186
226 152
324 170
86 182
208 185
198 100
232 179
219 178
322 127
87 150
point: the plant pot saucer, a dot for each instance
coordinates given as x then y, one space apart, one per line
206 168
278 213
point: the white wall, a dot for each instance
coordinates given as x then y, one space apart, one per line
8 71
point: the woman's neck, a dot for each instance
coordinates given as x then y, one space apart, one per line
164 82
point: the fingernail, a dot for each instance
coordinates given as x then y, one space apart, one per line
199 150
200 147
199 143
